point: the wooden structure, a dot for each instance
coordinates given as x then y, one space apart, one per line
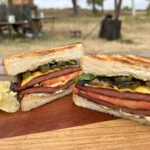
6 2
110 135
26 16
22 2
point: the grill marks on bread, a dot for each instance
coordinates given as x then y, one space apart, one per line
53 50
30 61
125 59
46 51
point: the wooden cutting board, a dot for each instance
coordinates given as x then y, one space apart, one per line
110 135
61 113
58 114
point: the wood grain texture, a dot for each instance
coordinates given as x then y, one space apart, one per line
110 135
61 113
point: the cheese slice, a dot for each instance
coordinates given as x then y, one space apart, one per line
38 73
99 86
34 75
58 83
140 89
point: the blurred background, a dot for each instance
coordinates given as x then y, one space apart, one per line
103 26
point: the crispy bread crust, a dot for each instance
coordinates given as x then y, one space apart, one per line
31 101
18 63
124 59
85 103
117 65
49 51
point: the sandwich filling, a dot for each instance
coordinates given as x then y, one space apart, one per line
50 78
123 93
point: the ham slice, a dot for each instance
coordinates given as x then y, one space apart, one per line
114 93
111 106
132 104
47 89
48 76
61 78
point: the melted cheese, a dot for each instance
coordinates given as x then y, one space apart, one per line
34 75
36 85
140 89
58 83
98 86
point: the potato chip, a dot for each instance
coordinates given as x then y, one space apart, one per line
13 93
8 100
9 103
4 86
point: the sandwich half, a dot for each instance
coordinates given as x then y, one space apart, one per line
44 75
115 84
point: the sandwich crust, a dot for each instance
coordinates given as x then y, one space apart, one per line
117 65
30 61
31 101
85 103
125 59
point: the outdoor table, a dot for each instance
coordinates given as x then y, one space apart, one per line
9 25
62 125
22 23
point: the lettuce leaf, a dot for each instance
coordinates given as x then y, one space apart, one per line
85 77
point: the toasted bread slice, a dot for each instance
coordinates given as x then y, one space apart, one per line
30 61
85 103
117 65
31 101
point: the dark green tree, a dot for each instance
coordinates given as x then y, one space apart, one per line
94 3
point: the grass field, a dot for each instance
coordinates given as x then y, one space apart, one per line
136 30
